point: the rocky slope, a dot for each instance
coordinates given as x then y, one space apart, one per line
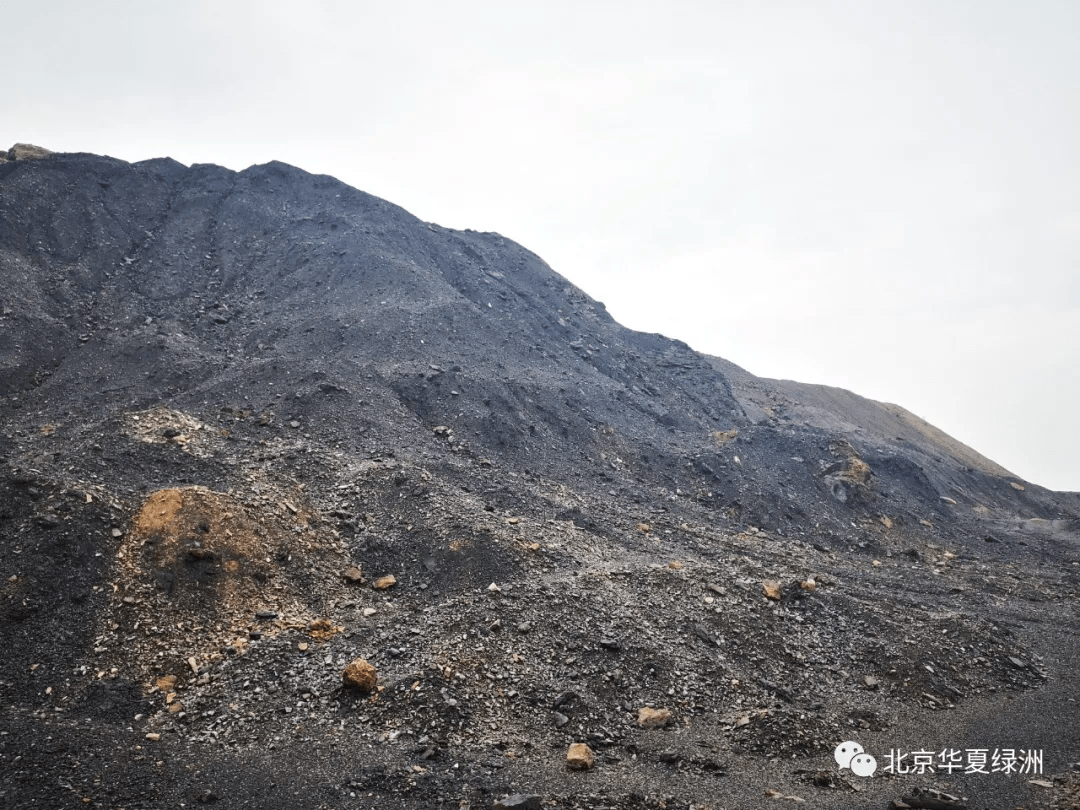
233 406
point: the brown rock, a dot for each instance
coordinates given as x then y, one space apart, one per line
382 583
644 527
580 757
166 683
354 575
771 589
361 675
809 585
653 718
27 151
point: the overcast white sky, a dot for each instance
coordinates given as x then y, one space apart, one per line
878 195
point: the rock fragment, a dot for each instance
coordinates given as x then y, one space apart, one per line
382 583
354 575
519 801
771 589
653 718
580 757
360 674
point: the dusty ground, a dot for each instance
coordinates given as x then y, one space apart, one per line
233 404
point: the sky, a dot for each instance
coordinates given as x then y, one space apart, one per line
881 196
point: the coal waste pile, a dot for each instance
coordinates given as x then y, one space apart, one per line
305 502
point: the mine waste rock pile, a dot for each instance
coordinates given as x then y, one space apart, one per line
307 503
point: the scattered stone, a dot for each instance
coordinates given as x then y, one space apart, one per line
524 627
930 799
153 736
519 801
493 588
359 674
561 719
265 614
27 151
610 644
1016 662
117 533
871 682
653 718
669 756
580 757
948 500
886 521
354 575
772 793
369 612
1040 782
771 589
809 585
382 583
166 683
207 797
303 646
644 527
1016 486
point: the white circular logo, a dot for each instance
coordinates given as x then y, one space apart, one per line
845 752
863 765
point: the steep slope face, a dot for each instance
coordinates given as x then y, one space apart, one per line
233 404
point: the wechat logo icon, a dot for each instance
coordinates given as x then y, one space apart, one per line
851 755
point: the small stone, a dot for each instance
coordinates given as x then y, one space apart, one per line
493 588
207 797
166 683
561 719
644 527
808 585
302 646
117 533
669 756
361 675
1016 486
265 614
382 583
653 718
871 682
742 720
1016 662
369 612
675 565
948 500
294 424
580 757
771 589
519 801
1041 783
513 521
877 563
610 644
524 627
354 575
886 521
153 736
